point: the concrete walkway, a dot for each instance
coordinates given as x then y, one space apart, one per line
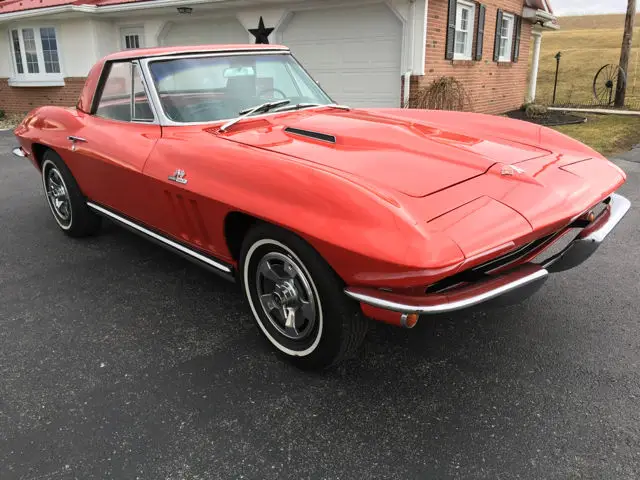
605 111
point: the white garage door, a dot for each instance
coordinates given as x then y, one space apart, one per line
354 52
203 32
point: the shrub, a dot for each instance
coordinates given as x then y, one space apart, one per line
444 93
1 114
534 110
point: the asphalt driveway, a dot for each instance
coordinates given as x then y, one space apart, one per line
120 360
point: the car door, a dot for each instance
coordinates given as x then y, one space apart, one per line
118 137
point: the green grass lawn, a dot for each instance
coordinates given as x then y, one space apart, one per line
608 134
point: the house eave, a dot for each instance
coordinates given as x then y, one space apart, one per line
546 20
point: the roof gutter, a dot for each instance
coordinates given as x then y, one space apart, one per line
38 12
93 9
127 7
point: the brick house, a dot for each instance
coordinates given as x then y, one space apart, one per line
361 51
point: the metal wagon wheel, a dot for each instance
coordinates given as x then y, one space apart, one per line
605 83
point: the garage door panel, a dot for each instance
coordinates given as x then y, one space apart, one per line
354 52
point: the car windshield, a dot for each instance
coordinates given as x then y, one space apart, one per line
205 89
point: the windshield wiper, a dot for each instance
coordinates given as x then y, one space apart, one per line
299 106
262 108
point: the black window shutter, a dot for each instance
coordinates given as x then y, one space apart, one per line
516 42
451 30
496 46
480 32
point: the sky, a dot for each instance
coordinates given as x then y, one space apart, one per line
585 7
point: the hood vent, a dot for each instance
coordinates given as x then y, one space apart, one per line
308 133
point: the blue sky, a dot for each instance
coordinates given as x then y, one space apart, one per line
584 7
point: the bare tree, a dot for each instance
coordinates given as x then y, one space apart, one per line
625 53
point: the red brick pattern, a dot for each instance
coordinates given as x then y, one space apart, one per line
24 99
493 87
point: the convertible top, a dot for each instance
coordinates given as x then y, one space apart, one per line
162 51
86 96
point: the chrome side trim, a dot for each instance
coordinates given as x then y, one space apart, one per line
19 152
160 238
446 307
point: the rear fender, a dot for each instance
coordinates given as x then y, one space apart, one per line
50 127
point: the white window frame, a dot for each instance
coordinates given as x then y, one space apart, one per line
133 30
508 48
42 78
471 28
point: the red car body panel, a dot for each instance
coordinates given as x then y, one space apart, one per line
402 199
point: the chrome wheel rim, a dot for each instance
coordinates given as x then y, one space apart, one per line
58 196
286 296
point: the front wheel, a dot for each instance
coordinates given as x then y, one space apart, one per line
297 299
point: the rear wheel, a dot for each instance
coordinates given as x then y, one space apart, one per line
297 299
68 205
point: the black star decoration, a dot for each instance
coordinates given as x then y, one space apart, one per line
261 33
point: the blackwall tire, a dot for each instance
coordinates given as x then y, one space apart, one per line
286 282
67 204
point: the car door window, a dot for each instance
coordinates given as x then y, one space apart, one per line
123 96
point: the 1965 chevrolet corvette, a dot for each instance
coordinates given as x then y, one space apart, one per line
232 156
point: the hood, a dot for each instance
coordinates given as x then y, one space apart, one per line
408 155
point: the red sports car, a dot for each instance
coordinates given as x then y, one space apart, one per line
234 157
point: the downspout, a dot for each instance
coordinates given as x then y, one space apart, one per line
412 51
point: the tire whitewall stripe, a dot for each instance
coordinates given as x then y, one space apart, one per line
247 282
46 165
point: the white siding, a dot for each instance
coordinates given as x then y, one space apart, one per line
77 45
200 32
106 34
5 54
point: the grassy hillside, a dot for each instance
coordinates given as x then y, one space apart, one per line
586 43
594 21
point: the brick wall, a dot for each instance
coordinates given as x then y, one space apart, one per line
493 87
23 99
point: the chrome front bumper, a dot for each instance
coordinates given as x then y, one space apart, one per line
514 285
19 152
591 237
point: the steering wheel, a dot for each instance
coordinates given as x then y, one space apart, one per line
200 112
262 93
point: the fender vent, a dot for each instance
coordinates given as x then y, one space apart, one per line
308 133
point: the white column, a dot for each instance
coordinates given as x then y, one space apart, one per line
533 79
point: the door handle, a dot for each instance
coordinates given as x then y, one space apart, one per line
75 139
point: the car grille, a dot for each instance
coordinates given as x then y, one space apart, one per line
549 246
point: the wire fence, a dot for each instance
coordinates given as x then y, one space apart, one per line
588 60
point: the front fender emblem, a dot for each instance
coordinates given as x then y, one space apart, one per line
178 177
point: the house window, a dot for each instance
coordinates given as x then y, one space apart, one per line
35 56
465 21
505 31
132 38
